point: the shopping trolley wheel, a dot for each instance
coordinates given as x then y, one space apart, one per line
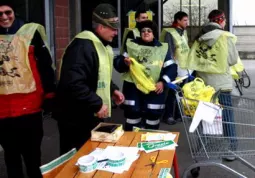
195 172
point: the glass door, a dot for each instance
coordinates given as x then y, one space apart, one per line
197 10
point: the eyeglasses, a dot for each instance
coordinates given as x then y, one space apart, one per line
8 12
146 30
144 18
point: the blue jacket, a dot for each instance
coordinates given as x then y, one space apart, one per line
168 72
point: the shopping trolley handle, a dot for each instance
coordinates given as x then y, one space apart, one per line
215 96
174 84
179 80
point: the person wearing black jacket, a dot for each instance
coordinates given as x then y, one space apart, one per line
27 82
145 109
79 106
180 23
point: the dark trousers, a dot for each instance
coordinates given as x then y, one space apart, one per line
172 109
228 119
142 109
22 137
74 134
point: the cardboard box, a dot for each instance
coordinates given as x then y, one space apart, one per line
107 137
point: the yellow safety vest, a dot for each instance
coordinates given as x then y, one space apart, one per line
105 55
181 45
15 72
237 68
213 59
152 58
127 30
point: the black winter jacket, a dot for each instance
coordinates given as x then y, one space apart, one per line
76 91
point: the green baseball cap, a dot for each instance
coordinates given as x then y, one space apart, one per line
105 14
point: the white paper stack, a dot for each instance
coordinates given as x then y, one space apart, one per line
157 141
149 147
131 154
157 137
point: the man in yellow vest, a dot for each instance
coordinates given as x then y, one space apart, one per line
211 55
27 81
140 16
85 89
177 40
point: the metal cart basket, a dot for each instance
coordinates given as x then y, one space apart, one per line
231 136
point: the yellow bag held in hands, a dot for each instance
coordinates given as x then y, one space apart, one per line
143 82
193 91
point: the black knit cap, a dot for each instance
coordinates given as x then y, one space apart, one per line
106 14
148 24
8 3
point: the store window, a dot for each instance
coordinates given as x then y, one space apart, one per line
197 10
39 11
123 8
30 10
128 7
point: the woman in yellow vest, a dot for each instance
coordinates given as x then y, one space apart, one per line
27 81
158 65
211 56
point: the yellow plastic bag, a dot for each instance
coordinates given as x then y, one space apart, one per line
237 68
194 91
143 83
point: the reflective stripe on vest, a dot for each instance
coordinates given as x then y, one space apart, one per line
181 45
15 71
204 58
105 55
152 58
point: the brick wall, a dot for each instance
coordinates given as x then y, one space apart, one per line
61 28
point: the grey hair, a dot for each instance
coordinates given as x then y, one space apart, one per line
95 25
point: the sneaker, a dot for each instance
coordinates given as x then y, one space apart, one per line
170 121
178 120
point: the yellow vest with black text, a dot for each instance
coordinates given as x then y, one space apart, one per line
105 55
212 59
127 30
151 57
15 72
181 45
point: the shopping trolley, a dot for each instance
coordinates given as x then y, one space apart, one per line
232 134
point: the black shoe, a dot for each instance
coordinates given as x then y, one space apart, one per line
229 158
178 120
170 121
